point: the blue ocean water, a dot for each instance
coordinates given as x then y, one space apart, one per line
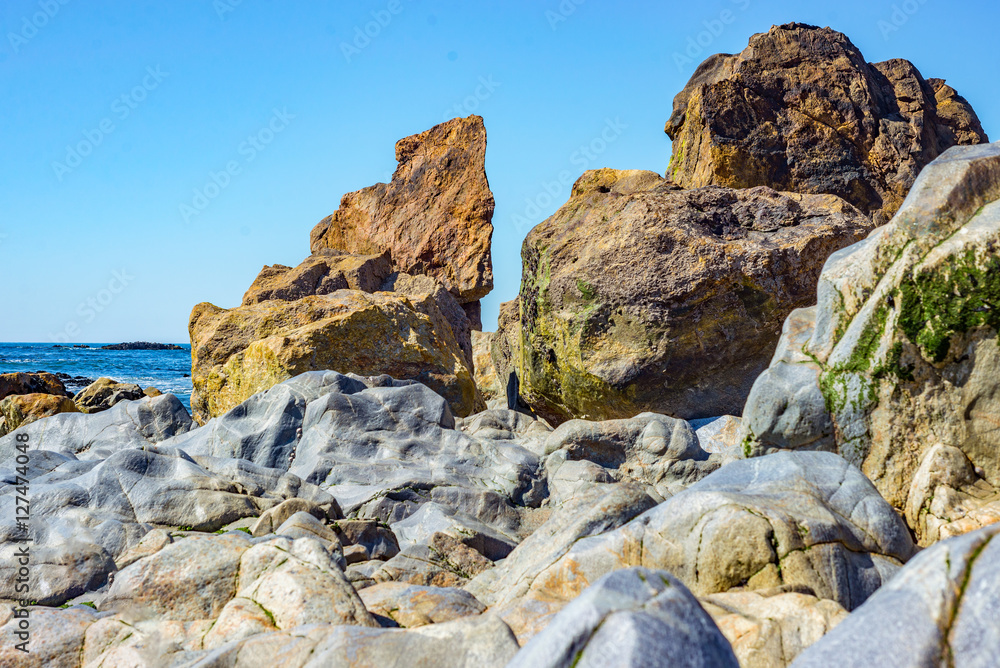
166 370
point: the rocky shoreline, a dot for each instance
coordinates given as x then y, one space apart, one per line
741 415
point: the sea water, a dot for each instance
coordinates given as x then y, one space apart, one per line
166 370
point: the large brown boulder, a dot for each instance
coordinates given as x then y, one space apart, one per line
801 110
18 410
638 296
104 393
31 383
434 217
239 352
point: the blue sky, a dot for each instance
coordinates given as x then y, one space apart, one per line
162 95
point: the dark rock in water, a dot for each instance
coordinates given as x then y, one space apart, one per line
141 345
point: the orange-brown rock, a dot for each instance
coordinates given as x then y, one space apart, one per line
18 410
434 217
320 274
801 110
238 352
31 383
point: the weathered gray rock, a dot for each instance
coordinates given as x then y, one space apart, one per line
634 617
293 583
304 525
940 610
56 637
473 641
192 578
95 511
379 541
60 569
265 428
900 353
595 511
386 438
131 424
654 450
273 518
431 518
948 498
410 606
769 629
798 519
442 562
719 435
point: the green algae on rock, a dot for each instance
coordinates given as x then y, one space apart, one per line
903 348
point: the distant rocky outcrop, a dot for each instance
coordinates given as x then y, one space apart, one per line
637 295
142 345
433 218
896 368
392 286
801 110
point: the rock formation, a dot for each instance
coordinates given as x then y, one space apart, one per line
938 610
104 393
800 110
21 409
435 216
896 368
31 383
318 517
424 238
639 296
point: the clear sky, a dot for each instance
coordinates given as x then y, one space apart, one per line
113 113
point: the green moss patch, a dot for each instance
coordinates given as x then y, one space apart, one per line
937 306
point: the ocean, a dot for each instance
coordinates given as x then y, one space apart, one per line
166 370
